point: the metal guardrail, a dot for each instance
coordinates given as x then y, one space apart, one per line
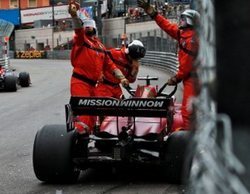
165 61
4 61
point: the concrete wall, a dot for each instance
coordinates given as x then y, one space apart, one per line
142 27
113 27
40 35
116 26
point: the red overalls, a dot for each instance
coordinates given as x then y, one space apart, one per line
110 85
89 59
188 49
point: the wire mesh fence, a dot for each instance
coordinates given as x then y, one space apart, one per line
154 40
215 168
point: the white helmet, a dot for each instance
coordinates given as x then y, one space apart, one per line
191 16
136 50
89 23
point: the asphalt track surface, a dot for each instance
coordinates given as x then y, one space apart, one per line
24 112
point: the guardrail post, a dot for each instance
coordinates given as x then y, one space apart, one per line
68 43
155 41
161 44
148 41
131 37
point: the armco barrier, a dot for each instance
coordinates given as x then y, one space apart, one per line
165 61
4 61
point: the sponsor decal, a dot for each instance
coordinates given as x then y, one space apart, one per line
30 54
130 103
44 13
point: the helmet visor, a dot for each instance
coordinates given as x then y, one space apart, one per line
183 21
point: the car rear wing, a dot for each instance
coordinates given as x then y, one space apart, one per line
106 106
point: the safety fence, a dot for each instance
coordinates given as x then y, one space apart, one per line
165 61
4 61
215 168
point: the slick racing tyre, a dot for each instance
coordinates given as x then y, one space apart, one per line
174 156
10 83
52 155
24 79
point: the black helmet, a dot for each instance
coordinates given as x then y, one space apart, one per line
136 50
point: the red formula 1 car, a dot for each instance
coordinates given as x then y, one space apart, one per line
139 130
9 80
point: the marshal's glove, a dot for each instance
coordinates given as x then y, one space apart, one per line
149 9
73 8
173 81
119 75
143 4
124 82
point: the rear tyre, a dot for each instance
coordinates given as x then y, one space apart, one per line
175 156
52 155
10 83
24 79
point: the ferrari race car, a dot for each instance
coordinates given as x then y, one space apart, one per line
139 130
9 80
